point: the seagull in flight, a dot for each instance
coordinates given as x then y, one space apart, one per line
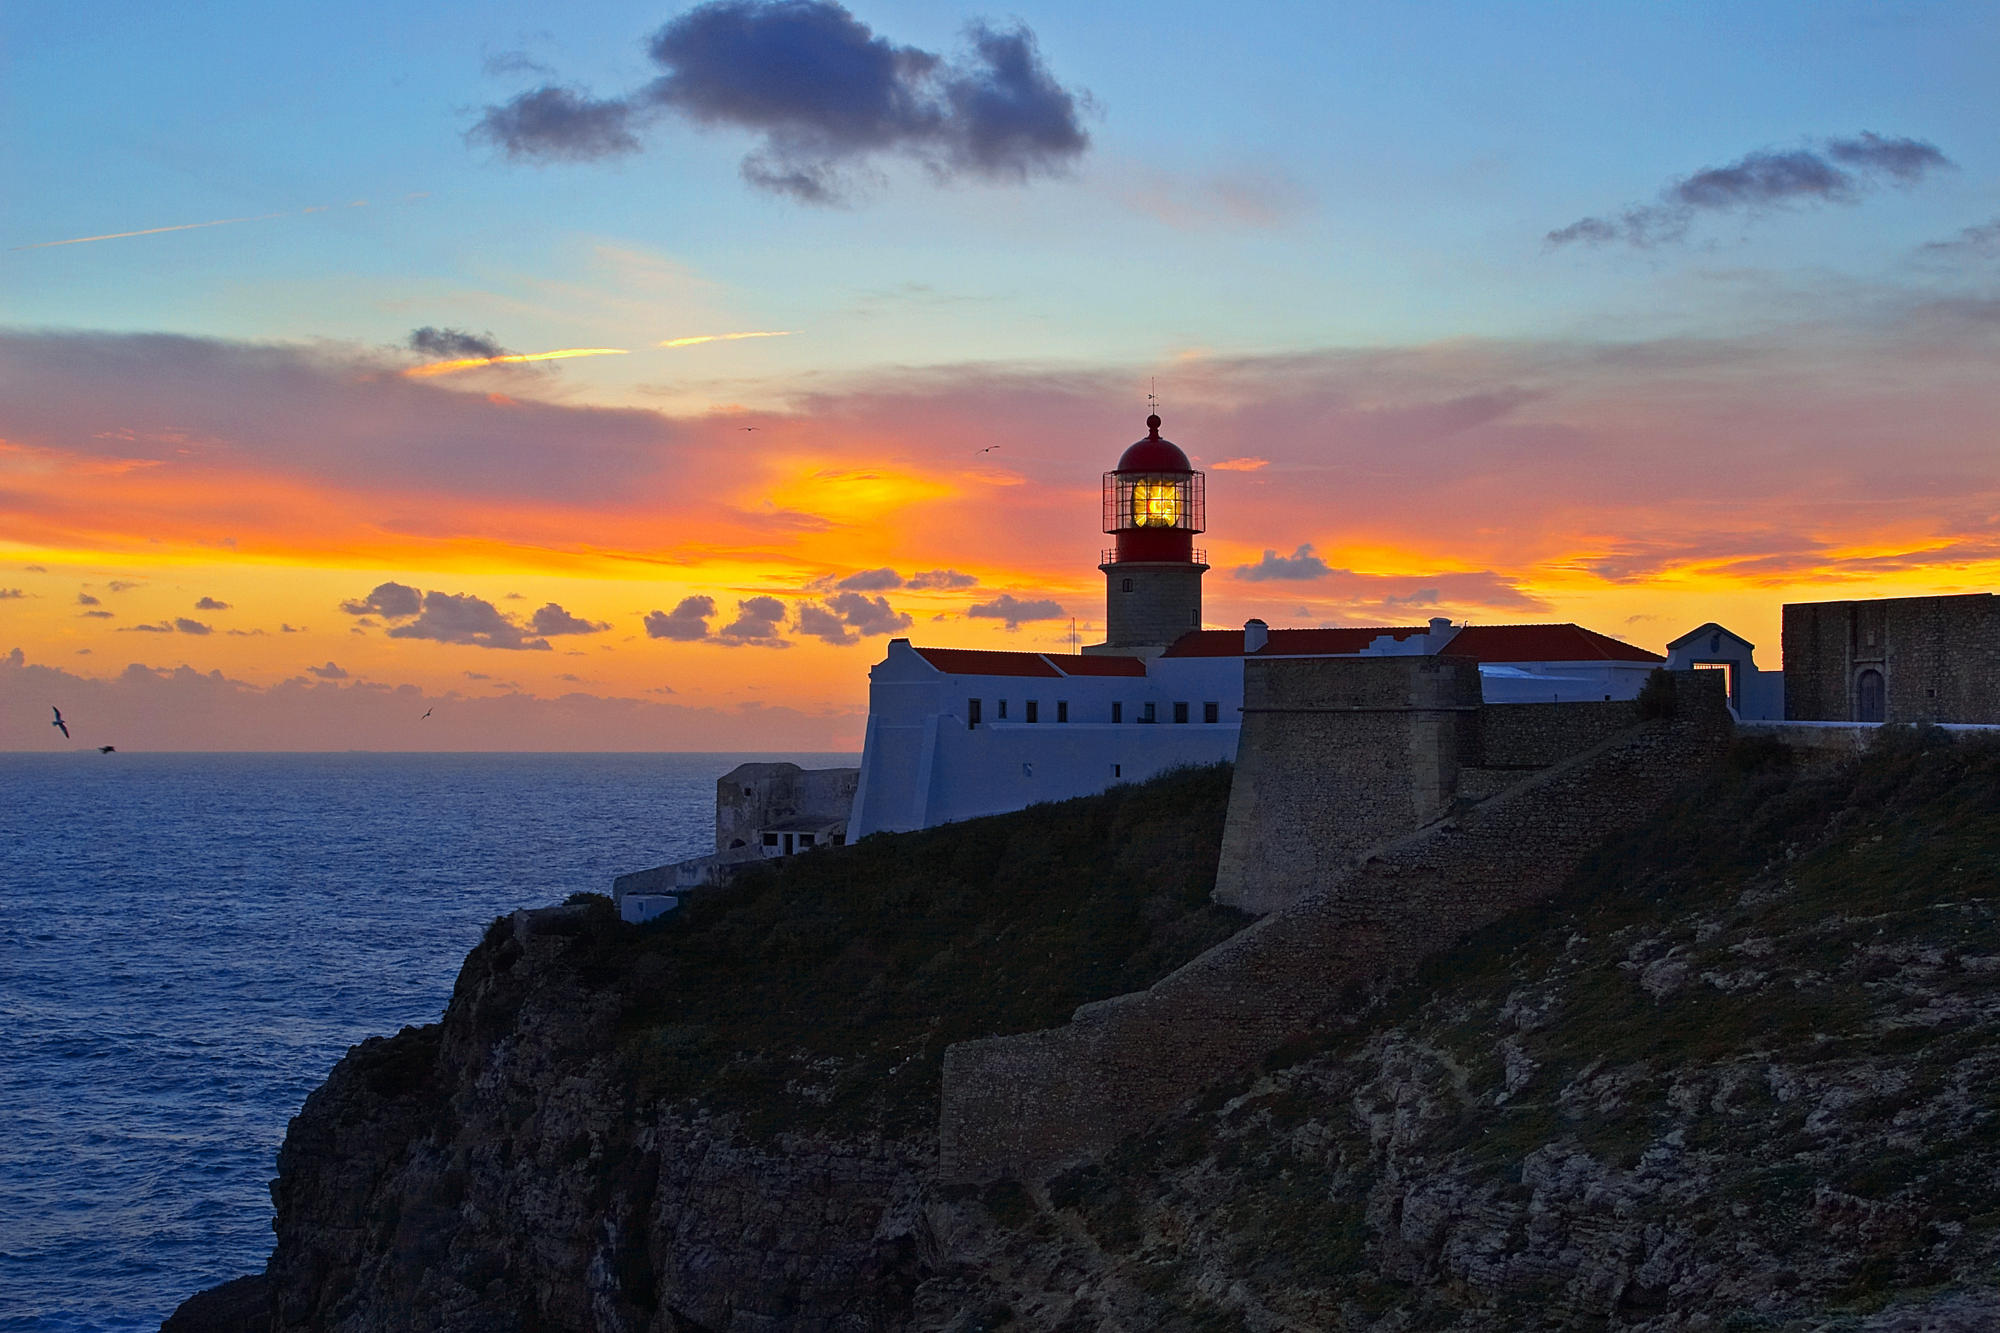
59 724
749 428
988 449
427 713
107 749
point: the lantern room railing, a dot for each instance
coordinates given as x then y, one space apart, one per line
1110 556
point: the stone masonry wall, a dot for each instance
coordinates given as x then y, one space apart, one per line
1537 735
1939 657
1033 1103
750 796
1165 603
1337 756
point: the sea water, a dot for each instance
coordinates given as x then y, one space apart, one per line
189 942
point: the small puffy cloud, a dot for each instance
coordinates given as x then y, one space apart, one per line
1246 464
391 601
453 344
477 675
824 625
869 615
123 585
245 633
99 615
871 580
1299 565
162 628
464 619
36 569
552 620
935 579
1420 597
328 672
284 628
757 623
825 93
85 599
1839 171
186 626
687 622
9 594
210 604
1006 607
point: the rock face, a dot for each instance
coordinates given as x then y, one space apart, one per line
1739 1075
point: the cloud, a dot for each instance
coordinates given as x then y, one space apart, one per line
8 594
162 628
123 585
328 672
1301 564
464 619
1013 611
513 62
210 604
100 615
552 620
932 579
1239 465
687 622
825 93
553 123
756 624
186 626
1841 171
391 601
284 628
849 616
871 580
477 675
453 344
1983 239
35 569
85 599
245 633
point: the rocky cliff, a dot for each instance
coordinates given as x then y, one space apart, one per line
1740 1075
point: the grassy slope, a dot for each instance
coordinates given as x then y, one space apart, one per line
822 992
1750 1064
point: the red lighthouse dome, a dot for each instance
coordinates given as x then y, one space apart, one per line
1153 503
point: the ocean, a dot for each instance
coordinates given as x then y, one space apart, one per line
189 942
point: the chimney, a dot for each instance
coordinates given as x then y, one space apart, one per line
1440 634
1255 635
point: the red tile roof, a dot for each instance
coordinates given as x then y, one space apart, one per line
986 662
1543 643
1287 642
1079 665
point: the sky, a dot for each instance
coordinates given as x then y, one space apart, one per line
1637 316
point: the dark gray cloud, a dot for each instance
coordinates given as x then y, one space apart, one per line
826 93
1300 565
284 628
391 601
552 620
940 578
464 619
453 344
85 599
757 624
1839 171
123 585
557 124
186 626
871 580
100 615
210 604
1014 611
847 617
162 628
328 672
687 622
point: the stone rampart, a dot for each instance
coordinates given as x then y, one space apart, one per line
1033 1103
1338 755
1538 735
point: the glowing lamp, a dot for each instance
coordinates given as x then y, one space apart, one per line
1153 503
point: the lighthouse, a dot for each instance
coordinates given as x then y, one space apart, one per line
1153 507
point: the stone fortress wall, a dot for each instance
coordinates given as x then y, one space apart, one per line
1032 1103
1938 658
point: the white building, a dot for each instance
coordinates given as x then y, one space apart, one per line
955 733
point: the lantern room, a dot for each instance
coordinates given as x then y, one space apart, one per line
1153 503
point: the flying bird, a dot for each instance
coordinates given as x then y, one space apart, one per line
427 713
749 428
988 449
59 724
107 749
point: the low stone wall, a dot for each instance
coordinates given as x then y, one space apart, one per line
1538 735
1033 1103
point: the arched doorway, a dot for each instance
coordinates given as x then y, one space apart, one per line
1870 701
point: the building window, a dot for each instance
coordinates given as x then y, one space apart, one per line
1117 770
1148 715
1180 712
1062 710
840 839
1118 712
1127 586
1034 711
805 841
1194 617
789 848
972 712
1003 710
1211 712
770 840
1870 703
